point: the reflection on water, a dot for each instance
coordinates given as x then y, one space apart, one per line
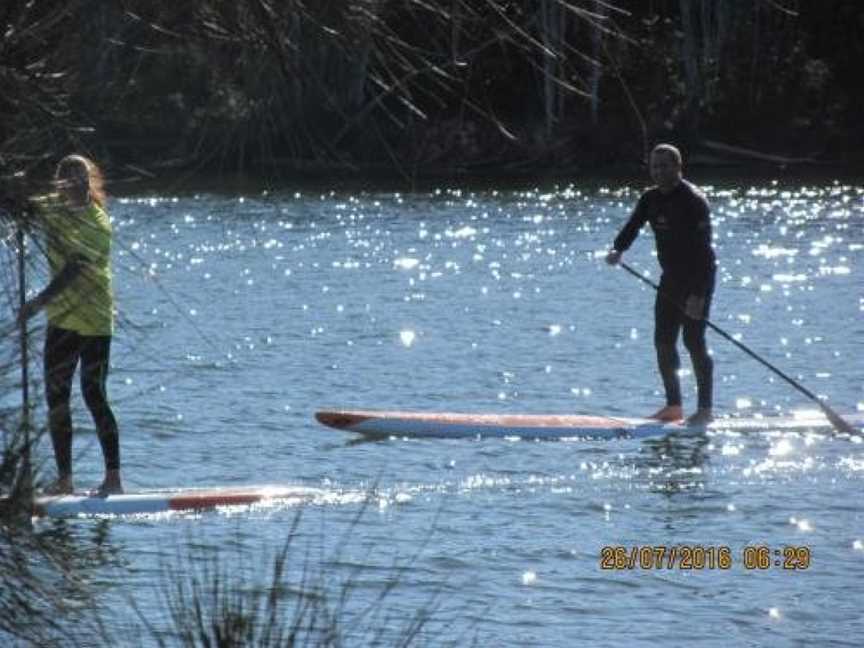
675 462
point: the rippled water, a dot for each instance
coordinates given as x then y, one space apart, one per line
242 315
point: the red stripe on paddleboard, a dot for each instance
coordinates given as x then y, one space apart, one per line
211 500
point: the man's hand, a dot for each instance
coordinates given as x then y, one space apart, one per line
613 257
694 308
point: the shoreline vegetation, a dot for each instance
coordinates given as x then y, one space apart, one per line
416 90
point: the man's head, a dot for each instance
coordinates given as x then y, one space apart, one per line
665 166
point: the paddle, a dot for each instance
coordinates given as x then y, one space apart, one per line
833 417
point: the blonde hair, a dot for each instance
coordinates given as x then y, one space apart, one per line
95 179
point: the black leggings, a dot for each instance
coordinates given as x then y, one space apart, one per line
669 319
63 349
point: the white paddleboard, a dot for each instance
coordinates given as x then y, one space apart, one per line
542 426
164 501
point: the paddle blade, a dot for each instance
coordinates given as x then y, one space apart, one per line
841 425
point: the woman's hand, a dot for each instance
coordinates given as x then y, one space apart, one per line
29 309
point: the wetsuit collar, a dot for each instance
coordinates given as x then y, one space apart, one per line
671 189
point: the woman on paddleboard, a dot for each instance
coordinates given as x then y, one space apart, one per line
681 219
79 304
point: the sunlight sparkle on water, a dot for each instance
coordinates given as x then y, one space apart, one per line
773 252
836 270
782 448
803 525
730 450
789 278
406 263
463 232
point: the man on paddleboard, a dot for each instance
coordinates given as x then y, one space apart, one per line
681 219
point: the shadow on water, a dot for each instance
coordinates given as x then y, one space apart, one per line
356 440
87 546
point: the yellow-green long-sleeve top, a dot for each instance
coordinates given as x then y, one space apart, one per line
86 305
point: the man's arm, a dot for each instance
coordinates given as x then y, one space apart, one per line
700 279
628 233
702 262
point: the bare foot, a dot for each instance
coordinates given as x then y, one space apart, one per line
668 414
111 485
700 418
61 486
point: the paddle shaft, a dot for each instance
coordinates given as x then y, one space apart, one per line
22 298
25 374
835 419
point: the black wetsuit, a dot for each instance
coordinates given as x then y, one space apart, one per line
682 228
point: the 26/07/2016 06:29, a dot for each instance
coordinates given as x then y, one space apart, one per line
700 557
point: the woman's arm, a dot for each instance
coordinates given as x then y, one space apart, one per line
58 284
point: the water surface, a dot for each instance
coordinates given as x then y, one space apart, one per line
240 315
